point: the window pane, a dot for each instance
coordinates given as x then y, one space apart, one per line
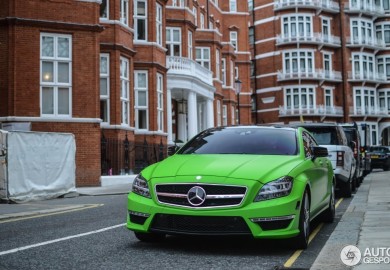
103 86
47 100
141 8
141 30
63 47
63 72
141 98
48 46
176 50
176 35
103 65
104 110
142 119
47 71
206 54
103 9
141 80
198 53
63 101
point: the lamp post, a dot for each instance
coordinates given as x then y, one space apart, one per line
238 85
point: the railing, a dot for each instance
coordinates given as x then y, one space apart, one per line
367 76
368 41
124 157
363 7
327 5
317 38
185 66
371 111
319 110
318 74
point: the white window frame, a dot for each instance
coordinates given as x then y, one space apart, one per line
383 65
51 80
361 30
195 12
366 97
224 115
233 5
223 72
105 75
231 73
326 28
233 114
327 63
328 95
299 97
383 32
138 18
190 46
363 65
236 73
298 61
124 12
107 10
384 98
234 40
137 106
170 43
218 64
159 24
203 61
219 115
125 90
201 20
160 102
297 25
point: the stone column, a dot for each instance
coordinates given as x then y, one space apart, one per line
192 115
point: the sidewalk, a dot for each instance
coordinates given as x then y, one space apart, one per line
365 224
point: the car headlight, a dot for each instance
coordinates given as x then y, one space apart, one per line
275 189
140 186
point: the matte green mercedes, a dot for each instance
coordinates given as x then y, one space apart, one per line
264 181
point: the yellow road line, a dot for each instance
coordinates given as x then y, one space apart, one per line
51 214
298 252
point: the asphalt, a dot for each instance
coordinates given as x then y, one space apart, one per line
365 224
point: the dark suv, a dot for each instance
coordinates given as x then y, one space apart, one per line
380 157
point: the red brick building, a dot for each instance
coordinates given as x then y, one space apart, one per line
322 61
135 72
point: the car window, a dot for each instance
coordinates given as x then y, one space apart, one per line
259 141
324 135
308 143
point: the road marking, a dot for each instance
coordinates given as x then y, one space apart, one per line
313 234
60 239
55 212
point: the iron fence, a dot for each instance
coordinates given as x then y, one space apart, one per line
120 157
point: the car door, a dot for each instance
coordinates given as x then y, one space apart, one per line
317 174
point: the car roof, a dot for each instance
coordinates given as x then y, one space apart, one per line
264 126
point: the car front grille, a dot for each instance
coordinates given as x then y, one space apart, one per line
199 225
216 195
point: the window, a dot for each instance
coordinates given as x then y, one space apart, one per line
178 3
298 62
365 100
233 5
217 64
328 97
384 100
383 63
224 115
195 12
231 73
203 57
362 65
386 5
173 41
160 102
223 71
233 114
327 64
104 8
140 20
251 35
55 77
361 31
299 98
297 26
159 24
233 40
190 48
326 29
141 100
250 5
236 73
124 12
211 24
125 98
201 21
105 88
383 32
219 113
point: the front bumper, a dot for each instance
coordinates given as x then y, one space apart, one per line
277 218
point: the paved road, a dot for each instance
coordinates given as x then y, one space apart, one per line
94 237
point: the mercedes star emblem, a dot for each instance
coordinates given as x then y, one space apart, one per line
196 196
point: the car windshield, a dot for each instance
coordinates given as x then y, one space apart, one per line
324 135
257 141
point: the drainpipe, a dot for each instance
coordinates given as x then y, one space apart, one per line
254 60
344 73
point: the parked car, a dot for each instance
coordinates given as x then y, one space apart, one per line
380 157
264 181
332 136
351 131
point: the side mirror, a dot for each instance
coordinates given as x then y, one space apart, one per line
319 151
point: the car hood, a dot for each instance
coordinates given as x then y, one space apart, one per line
255 167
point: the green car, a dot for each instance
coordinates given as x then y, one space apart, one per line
264 181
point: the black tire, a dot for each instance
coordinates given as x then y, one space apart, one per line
149 237
301 241
329 214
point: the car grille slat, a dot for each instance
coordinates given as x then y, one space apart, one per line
211 225
217 195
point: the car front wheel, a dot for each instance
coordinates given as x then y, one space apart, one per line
302 240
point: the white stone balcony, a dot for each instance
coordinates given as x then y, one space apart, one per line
364 8
367 76
326 5
318 74
368 42
370 111
316 38
187 67
319 110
